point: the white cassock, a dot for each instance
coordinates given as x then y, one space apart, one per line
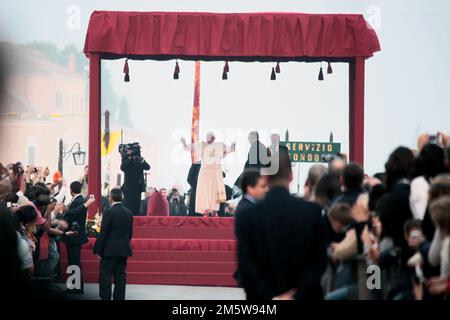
210 186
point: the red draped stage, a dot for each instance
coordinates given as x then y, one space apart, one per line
174 250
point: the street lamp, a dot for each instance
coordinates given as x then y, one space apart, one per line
79 156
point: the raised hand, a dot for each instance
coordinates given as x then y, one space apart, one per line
89 201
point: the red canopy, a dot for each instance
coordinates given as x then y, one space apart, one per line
227 36
230 36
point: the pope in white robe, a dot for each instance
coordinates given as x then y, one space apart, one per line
210 185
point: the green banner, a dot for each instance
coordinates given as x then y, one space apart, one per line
311 151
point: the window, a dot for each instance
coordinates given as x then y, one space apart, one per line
59 101
31 154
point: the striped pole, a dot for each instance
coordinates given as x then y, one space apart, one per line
196 110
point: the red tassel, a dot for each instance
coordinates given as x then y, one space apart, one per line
125 67
321 74
176 72
224 74
226 68
272 75
329 69
126 70
277 68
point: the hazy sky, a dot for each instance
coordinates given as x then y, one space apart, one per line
407 83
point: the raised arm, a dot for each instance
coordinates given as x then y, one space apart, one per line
62 193
187 147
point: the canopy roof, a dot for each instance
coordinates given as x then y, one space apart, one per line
230 36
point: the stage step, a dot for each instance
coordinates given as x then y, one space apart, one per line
166 266
183 233
175 278
162 255
183 222
176 244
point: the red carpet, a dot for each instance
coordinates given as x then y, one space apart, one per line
174 250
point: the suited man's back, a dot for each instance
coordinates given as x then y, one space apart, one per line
280 247
77 213
116 232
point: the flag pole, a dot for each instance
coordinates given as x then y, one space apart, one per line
195 110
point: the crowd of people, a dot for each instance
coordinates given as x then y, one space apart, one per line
33 205
351 236
320 245
46 213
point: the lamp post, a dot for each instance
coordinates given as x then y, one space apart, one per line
79 156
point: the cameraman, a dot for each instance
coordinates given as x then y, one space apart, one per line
133 166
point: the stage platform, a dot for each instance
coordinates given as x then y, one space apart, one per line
174 251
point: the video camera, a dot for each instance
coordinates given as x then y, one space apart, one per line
130 150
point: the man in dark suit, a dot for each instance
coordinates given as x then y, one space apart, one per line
76 218
281 252
133 167
113 246
258 156
254 186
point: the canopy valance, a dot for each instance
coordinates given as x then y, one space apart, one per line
230 36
